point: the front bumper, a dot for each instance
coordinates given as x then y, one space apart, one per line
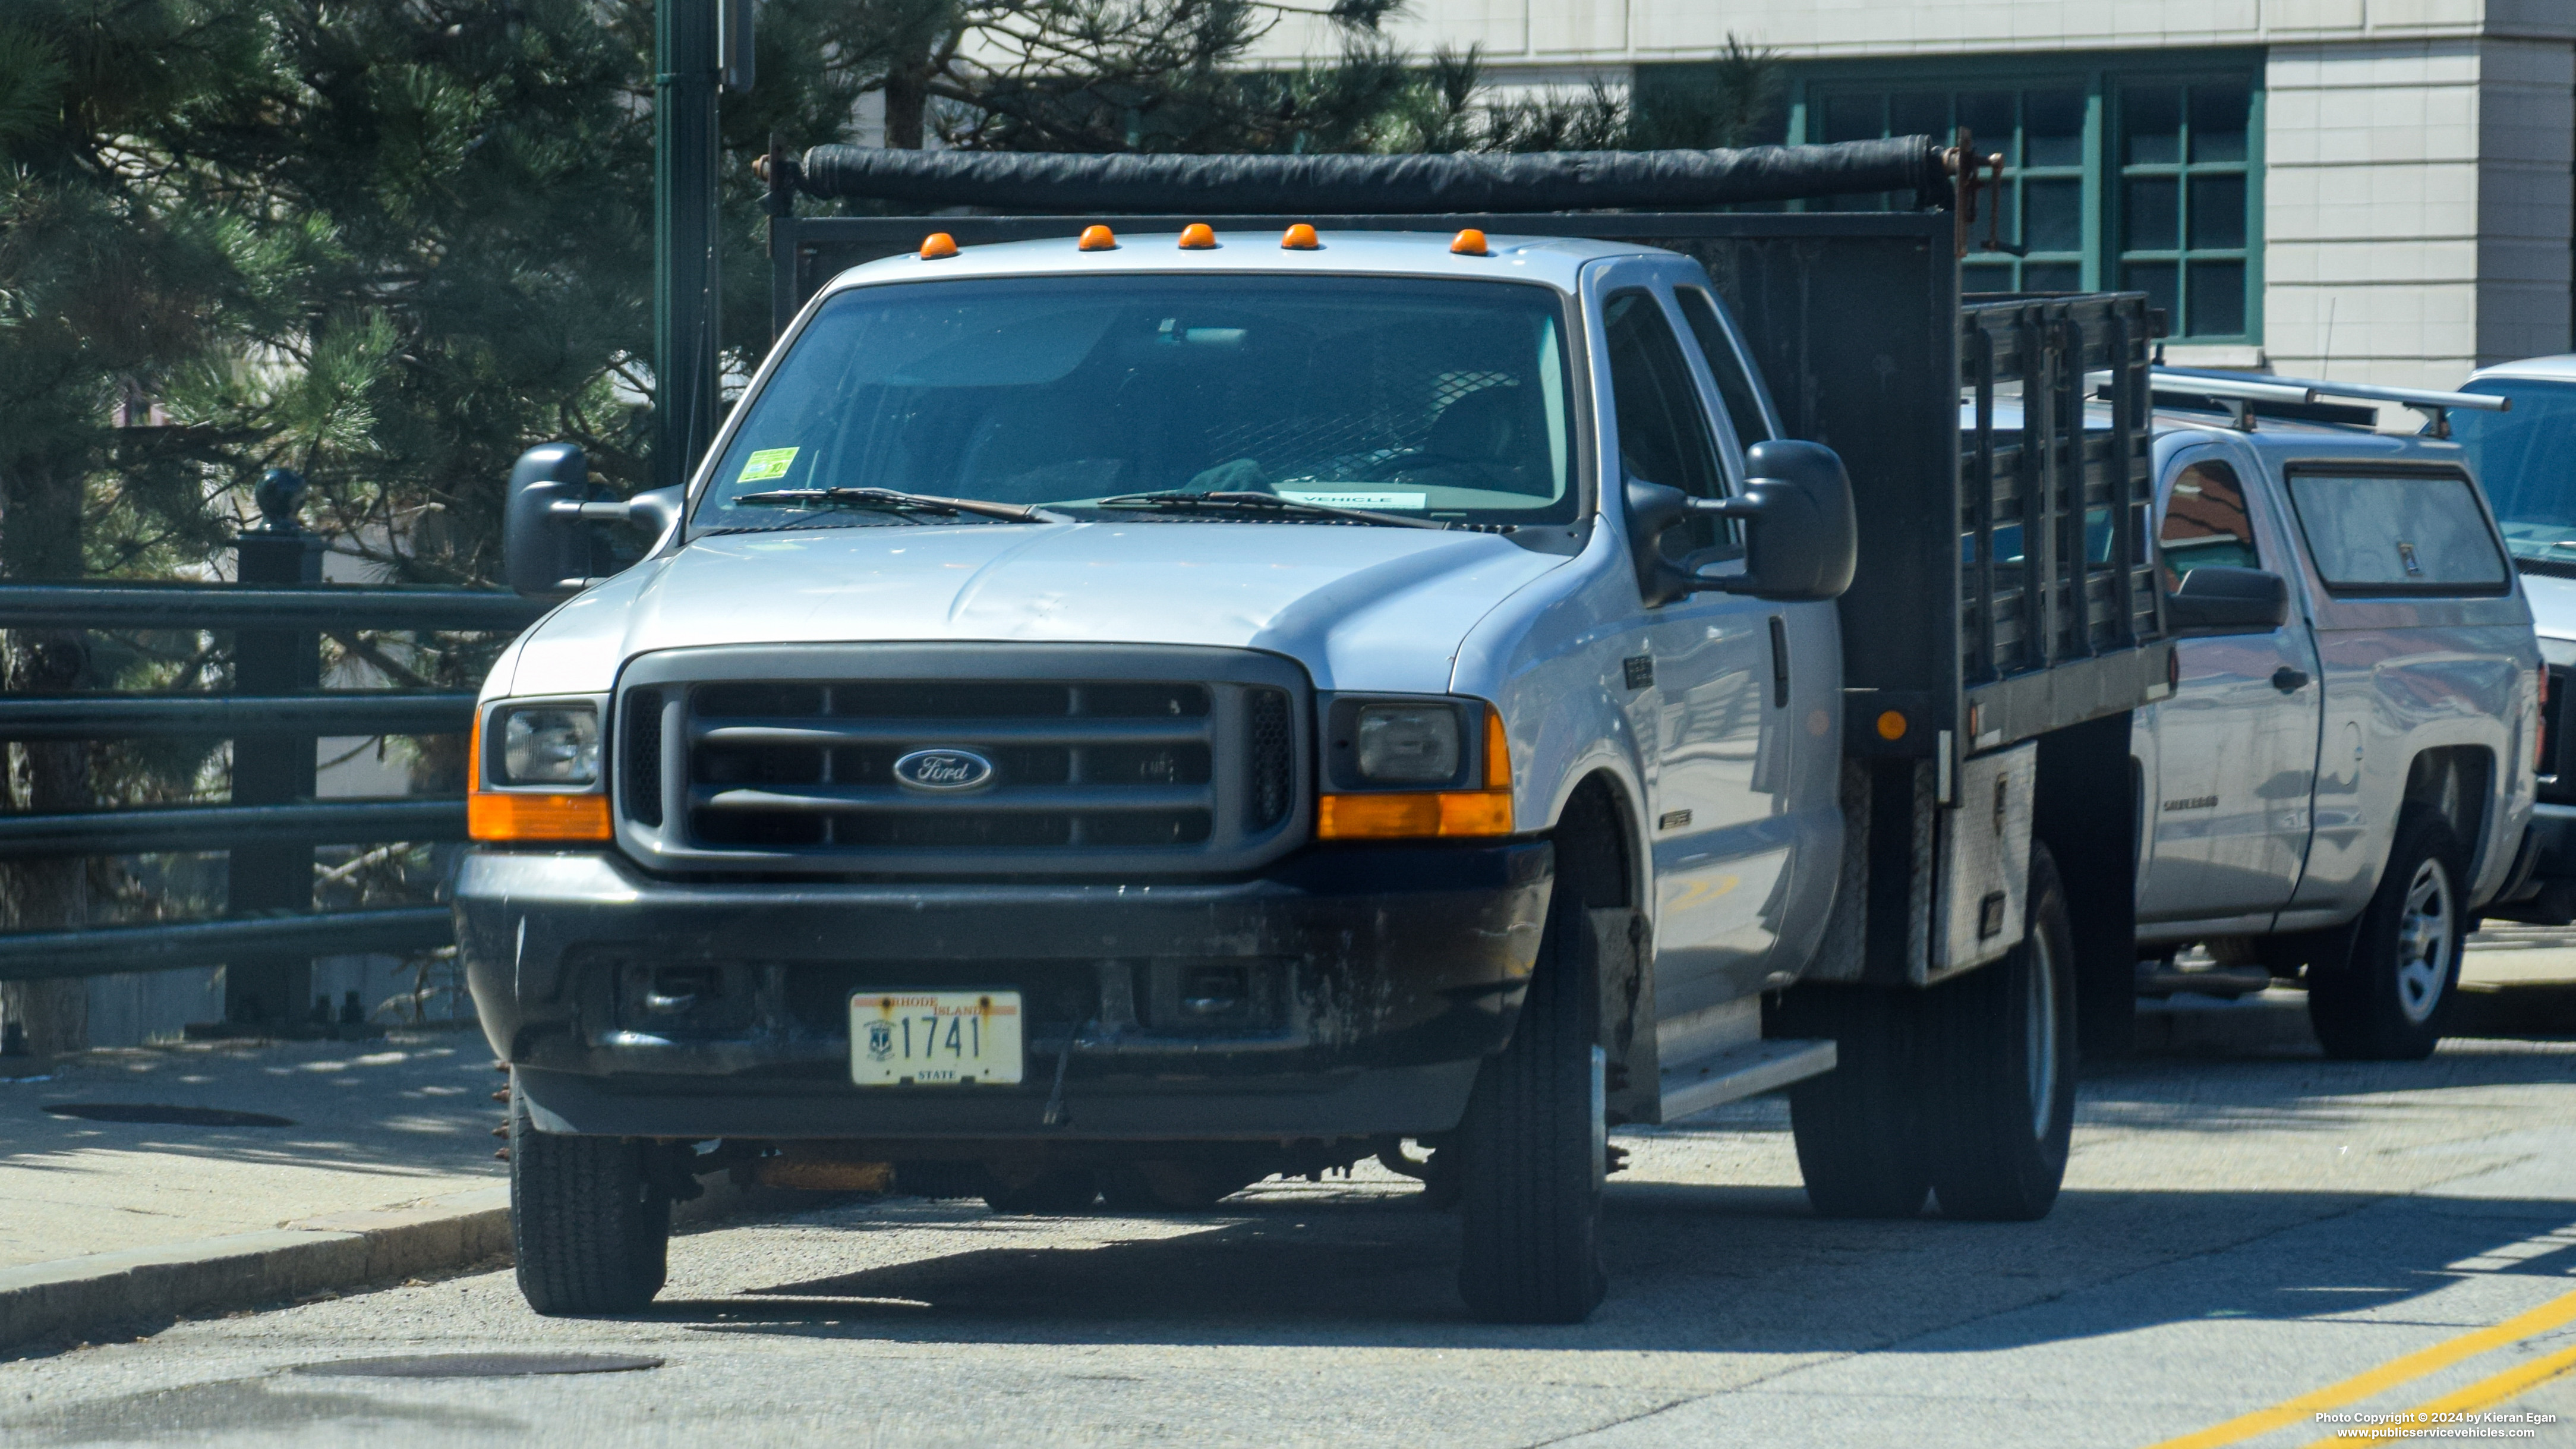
1359 991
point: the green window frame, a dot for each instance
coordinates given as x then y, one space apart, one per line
2163 173
2184 201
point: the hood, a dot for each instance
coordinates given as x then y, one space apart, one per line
1361 607
2553 610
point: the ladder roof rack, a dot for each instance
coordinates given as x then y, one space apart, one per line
2242 390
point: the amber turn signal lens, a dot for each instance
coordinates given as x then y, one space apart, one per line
1891 726
1469 243
1413 815
1098 239
936 245
1300 238
494 815
1498 752
1198 236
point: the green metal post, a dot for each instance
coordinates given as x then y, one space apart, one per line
685 278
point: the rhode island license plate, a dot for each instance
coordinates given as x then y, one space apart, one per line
926 1038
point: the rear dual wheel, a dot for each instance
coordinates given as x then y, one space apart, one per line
1963 1092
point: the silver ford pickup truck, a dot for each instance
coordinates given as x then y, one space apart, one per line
1131 708
2343 776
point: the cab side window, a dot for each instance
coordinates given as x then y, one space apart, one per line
1664 434
2206 522
1735 385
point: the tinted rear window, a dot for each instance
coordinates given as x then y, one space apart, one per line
2398 533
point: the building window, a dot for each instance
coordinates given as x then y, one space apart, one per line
2130 178
2041 136
2181 203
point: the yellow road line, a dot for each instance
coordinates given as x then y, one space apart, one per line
2556 1313
2484 1394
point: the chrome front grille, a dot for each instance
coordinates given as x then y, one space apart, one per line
1085 758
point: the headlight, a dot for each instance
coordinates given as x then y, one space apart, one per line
554 744
1408 744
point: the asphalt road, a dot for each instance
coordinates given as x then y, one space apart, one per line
2283 1233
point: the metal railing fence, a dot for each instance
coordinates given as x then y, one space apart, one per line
274 715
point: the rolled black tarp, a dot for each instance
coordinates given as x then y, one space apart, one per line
1378 185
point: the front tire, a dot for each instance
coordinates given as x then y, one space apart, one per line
2000 1068
1533 1142
2390 1000
589 1228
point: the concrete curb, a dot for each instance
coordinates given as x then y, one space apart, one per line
147 1288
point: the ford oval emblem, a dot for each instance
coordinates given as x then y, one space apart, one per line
943 769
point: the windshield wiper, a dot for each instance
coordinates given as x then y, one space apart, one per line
1261 503
900 502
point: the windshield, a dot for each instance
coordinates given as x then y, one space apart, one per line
2526 460
1433 399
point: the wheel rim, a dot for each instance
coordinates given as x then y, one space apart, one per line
2039 1032
2424 942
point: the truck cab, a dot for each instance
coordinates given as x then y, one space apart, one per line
2340 781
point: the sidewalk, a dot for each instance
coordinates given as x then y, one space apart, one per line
375 1125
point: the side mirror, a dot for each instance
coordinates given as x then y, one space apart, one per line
2220 599
551 546
1801 541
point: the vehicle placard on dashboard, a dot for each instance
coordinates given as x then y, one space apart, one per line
934 1038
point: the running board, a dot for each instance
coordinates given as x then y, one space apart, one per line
1743 1071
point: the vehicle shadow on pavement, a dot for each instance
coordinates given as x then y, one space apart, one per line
1735 1268
1693 1269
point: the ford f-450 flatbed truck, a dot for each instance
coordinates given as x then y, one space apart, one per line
1133 703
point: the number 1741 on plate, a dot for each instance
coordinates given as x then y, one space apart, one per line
924 1038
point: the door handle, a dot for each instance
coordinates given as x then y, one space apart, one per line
2288 680
1779 662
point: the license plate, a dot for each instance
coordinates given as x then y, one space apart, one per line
930 1038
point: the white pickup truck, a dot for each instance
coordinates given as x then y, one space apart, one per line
2344 773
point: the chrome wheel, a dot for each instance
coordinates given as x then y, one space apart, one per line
2424 942
2039 1025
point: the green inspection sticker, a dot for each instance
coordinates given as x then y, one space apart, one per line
766 464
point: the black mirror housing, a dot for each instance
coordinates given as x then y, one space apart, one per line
551 545
2224 599
1801 540
544 555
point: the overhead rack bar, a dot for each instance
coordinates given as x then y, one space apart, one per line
2243 389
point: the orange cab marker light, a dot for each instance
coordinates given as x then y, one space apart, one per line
1198 236
1470 243
1098 239
1891 726
936 245
1300 238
